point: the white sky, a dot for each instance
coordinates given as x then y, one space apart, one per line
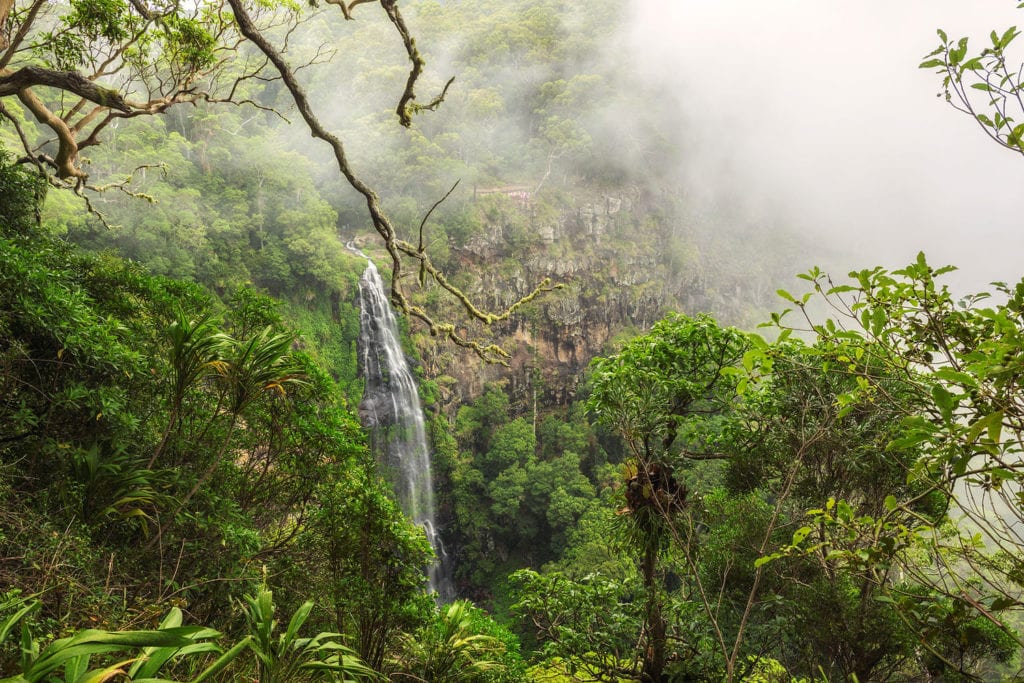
817 113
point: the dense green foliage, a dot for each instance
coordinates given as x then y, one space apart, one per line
189 495
161 450
773 512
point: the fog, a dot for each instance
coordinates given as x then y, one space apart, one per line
816 115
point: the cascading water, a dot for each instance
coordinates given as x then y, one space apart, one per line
391 410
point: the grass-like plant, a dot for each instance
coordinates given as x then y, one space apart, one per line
285 657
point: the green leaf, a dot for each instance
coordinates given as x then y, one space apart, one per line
956 377
976 429
1008 37
1001 603
878 320
890 503
91 641
11 621
800 534
299 618
993 423
944 401
995 426
223 661
75 669
1016 135
957 54
960 465
973 64
840 289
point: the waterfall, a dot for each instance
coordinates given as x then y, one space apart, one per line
391 410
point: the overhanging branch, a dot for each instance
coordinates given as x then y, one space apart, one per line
395 247
13 82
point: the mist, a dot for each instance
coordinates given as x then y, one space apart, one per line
816 116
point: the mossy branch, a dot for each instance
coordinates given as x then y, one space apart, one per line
123 185
489 353
406 104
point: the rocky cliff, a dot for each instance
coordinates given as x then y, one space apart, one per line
624 260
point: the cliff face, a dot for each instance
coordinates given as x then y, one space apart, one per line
623 260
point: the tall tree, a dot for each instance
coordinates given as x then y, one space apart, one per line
655 393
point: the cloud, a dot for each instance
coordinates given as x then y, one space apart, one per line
816 113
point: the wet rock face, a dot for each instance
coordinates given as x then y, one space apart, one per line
374 410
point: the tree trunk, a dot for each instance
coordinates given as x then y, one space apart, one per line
654 648
5 11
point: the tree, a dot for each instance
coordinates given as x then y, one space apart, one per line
78 67
660 393
588 625
193 353
797 447
514 502
372 561
248 370
951 368
775 430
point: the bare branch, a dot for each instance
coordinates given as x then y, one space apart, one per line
24 138
122 185
436 204
93 210
344 8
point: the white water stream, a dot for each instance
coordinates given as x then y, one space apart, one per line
391 410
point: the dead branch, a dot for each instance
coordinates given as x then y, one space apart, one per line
436 204
123 185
